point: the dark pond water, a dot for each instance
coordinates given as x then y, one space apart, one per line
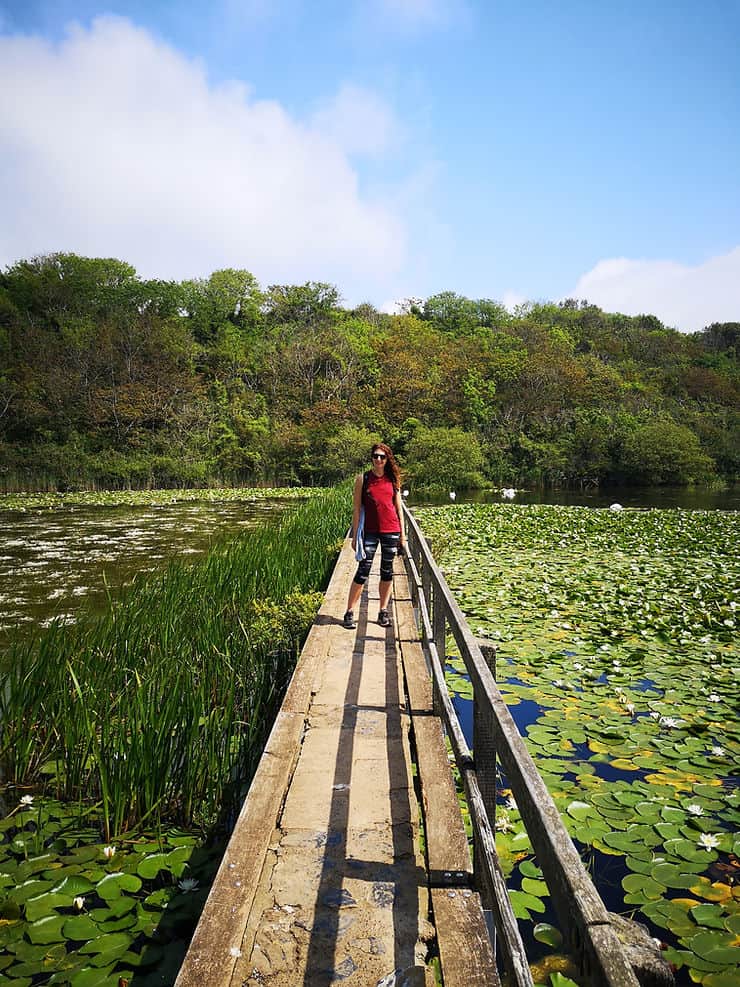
689 499
54 563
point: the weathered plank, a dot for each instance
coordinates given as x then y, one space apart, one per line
218 937
464 947
447 845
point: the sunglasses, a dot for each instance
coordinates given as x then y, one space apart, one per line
379 455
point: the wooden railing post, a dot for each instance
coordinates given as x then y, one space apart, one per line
484 754
439 628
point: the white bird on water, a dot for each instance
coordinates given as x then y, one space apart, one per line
508 493
452 495
616 507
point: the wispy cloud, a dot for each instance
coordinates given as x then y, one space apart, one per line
681 296
359 121
116 144
420 13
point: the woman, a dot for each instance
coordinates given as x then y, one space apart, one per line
379 492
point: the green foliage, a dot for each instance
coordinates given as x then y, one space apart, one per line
184 673
448 458
617 653
106 378
666 452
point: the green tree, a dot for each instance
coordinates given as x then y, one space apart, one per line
448 458
664 452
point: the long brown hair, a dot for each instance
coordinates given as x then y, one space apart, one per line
391 469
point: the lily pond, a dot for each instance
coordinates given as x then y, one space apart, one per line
617 652
130 726
61 553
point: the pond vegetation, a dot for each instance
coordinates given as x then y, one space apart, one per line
126 741
61 554
618 655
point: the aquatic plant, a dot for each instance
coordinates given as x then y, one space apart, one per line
617 651
159 709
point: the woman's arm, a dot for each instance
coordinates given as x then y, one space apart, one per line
399 510
356 505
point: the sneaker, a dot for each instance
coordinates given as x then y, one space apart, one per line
384 618
349 621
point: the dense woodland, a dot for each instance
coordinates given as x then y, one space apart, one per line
107 379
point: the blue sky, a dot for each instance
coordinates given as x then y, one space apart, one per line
394 147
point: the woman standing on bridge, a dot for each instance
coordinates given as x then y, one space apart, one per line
379 492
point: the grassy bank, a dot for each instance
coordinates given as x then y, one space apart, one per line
146 498
160 709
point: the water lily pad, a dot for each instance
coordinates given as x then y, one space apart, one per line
30 889
523 903
709 915
47 929
113 885
644 886
45 904
115 908
106 943
92 977
81 927
548 934
715 947
74 885
673 876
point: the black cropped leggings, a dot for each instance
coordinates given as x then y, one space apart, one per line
388 549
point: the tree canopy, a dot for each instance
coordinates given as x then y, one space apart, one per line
107 378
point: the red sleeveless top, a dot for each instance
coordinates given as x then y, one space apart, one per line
380 511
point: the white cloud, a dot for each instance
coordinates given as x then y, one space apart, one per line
687 298
359 121
114 144
512 300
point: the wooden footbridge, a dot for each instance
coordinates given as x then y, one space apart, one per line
349 863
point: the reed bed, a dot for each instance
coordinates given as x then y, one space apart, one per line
159 710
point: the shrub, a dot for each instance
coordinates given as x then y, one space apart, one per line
445 457
664 452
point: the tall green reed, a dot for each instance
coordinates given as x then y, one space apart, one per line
159 709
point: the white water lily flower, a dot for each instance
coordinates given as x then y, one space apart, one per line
718 751
694 809
668 721
708 840
558 683
655 714
714 698
615 507
79 903
630 707
109 852
511 803
578 666
503 823
187 884
26 799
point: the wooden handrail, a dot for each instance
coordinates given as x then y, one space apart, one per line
583 917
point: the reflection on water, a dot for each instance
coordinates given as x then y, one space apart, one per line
697 499
53 564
